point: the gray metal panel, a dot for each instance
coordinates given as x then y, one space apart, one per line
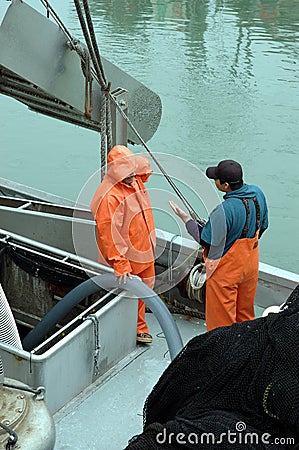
274 285
71 360
144 105
13 189
55 231
62 232
76 236
39 53
115 408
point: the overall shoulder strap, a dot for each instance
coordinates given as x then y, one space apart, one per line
245 229
258 215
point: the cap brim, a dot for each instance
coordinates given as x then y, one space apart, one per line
212 172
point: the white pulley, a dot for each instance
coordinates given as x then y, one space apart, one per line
196 281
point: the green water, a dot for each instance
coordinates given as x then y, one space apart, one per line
227 74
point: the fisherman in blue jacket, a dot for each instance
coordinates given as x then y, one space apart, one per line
230 241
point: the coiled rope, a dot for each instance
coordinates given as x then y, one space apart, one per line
195 282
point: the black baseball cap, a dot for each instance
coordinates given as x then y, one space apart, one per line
227 171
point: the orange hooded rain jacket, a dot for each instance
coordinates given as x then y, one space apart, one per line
123 214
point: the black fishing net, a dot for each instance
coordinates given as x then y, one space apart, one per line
56 272
235 387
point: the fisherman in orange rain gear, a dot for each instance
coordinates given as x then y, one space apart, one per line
125 225
230 241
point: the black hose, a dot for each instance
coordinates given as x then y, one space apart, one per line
107 282
12 438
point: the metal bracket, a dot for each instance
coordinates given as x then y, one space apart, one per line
119 125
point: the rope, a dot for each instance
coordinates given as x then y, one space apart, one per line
93 39
169 259
186 259
88 87
51 12
90 39
103 154
89 43
71 40
190 209
108 118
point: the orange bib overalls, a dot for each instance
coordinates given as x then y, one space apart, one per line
232 280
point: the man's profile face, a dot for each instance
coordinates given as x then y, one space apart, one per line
223 187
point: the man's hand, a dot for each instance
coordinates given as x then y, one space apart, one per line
122 279
179 212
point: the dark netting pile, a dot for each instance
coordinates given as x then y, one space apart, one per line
235 387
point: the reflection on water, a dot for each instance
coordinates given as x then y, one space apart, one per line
227 74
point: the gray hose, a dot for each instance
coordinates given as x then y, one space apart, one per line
107 282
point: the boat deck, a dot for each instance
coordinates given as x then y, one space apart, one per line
109 412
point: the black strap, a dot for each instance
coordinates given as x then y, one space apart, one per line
258 215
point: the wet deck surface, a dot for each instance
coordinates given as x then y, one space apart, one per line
108 413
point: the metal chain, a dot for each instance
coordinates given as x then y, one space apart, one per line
108 121
103 154
97 345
